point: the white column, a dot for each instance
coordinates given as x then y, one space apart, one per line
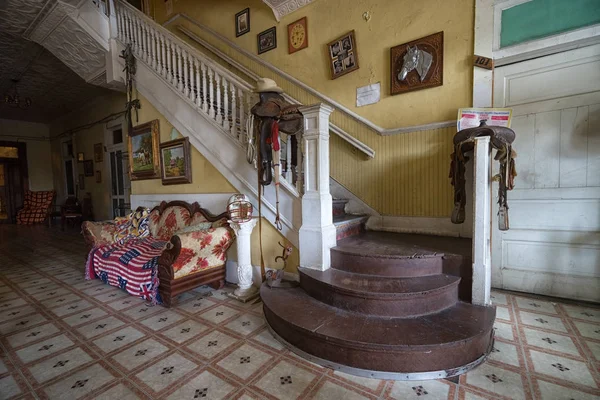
317 234
243 232
482 208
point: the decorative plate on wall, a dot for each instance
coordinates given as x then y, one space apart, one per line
297 35
418 64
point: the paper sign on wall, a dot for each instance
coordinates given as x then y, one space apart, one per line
472 117
369 94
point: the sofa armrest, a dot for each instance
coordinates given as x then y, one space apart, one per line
98 233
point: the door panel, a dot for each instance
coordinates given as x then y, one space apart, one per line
553 245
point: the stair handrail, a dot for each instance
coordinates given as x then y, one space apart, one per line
368 151
181 43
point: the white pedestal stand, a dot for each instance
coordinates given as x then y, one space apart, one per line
246 290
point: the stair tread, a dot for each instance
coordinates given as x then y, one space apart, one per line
374 285
348 218
457 323
398 245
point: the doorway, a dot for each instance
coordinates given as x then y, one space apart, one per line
13 180
553 245
118 170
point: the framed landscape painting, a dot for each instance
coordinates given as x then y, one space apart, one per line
175 161
144 161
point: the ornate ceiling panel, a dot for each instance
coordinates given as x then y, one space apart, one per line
52 86
17 15
281 8
76 48
53 76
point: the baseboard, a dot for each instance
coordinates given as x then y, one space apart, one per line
419 225
231 274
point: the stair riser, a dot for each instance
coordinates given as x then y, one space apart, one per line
412 305
338 208
399 360
384 266
347 230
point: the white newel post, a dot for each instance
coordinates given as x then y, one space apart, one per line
482 208
317 234
243 231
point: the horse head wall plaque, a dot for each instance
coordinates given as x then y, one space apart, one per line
418 64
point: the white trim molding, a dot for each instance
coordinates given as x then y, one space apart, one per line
281 8
216 203
319 95
552 44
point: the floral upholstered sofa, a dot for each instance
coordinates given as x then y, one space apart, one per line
174 248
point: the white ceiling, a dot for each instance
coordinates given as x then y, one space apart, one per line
53 87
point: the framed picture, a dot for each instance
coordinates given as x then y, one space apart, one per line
98 176
81 182
80 157
98 152
176 162
88 167
297 35
267 40
418 64
343 55
242 22
144 161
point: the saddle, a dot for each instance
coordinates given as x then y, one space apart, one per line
274 114
501 139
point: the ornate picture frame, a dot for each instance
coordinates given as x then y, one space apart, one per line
297 35
267 40
88 167
144 159
343 55
176 162
242 22
98 152
418 64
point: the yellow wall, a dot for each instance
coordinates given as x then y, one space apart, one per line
409 175
84 141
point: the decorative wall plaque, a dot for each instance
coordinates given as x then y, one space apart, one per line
418 64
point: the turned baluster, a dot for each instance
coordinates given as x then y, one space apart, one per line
197 66
211 94
119 24
138 47
233 115
168 50
219 118
161 54
148 41
225 105
242 115
177 67
204 92
129 32
144 41
186 86
153 50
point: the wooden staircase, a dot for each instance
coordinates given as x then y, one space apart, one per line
389 307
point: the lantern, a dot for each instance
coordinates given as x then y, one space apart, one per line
239 208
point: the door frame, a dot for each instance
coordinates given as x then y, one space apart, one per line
107 149
24 172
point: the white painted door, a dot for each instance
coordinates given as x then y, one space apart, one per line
553 245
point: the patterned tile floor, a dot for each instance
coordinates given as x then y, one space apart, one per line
64 337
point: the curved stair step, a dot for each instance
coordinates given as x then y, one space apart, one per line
383 296
448 340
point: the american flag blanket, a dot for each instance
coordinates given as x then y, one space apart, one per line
132 266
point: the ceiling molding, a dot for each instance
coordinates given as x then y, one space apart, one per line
281 8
